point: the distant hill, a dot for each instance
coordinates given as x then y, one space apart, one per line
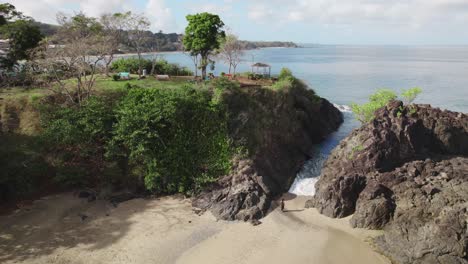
172 41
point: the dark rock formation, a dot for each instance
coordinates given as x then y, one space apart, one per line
405 172
277 130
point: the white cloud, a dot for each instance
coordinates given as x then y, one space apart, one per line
45 10
160 16
222 7
412 13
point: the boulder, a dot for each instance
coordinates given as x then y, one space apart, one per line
404 172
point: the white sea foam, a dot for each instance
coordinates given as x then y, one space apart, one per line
304 186
343 108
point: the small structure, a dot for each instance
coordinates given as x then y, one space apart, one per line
124 75
162 77
262 69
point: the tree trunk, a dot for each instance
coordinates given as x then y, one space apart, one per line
204 64
139 65
230 65
108 63
203 72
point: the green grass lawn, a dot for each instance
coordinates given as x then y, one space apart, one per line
103 83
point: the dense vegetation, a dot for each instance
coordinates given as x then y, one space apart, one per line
162 139
157 67
21 32
176 138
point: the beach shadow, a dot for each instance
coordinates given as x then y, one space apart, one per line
58 222
293 210
288 196
276 203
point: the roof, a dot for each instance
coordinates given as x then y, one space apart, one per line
259 64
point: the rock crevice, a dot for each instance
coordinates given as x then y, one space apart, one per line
278 129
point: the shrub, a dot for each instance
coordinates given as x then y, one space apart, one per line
22 166
116 77
160 67
283 84
365 112
130 65
78 136
177 138
410 94
285 73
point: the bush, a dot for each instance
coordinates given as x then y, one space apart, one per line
130 65
78 137
177 138
160 67
282 84
410 94
116 77
285 73
23 168
365 112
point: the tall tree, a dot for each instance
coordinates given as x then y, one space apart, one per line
8 13
21 33
137 27
203 36
114 26
232 52
81 48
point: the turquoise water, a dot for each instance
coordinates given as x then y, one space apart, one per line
346 74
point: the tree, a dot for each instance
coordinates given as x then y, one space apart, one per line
23 35
231 52
114 25
8 13
203 35
195 57
21 32
137 25
81 47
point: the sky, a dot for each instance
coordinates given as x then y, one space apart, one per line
357 22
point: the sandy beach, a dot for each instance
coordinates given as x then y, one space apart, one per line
65 229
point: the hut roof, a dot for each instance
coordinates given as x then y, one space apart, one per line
259 64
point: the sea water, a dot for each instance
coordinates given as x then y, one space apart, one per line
347 74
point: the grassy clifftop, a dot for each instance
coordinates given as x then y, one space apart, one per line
162 137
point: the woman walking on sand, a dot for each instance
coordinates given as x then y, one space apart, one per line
282 205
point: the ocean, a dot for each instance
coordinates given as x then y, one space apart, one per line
346 74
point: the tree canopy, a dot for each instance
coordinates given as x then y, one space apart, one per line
203 35
21 32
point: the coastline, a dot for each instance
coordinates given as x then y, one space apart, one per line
181 51
165 230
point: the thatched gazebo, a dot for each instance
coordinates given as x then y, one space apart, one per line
261 68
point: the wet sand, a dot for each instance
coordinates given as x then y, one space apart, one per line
65 229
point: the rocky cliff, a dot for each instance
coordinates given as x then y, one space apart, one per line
405 172
276 130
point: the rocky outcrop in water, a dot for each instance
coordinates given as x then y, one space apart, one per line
277 130
405 172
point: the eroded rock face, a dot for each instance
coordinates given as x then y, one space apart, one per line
405 172
279 129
